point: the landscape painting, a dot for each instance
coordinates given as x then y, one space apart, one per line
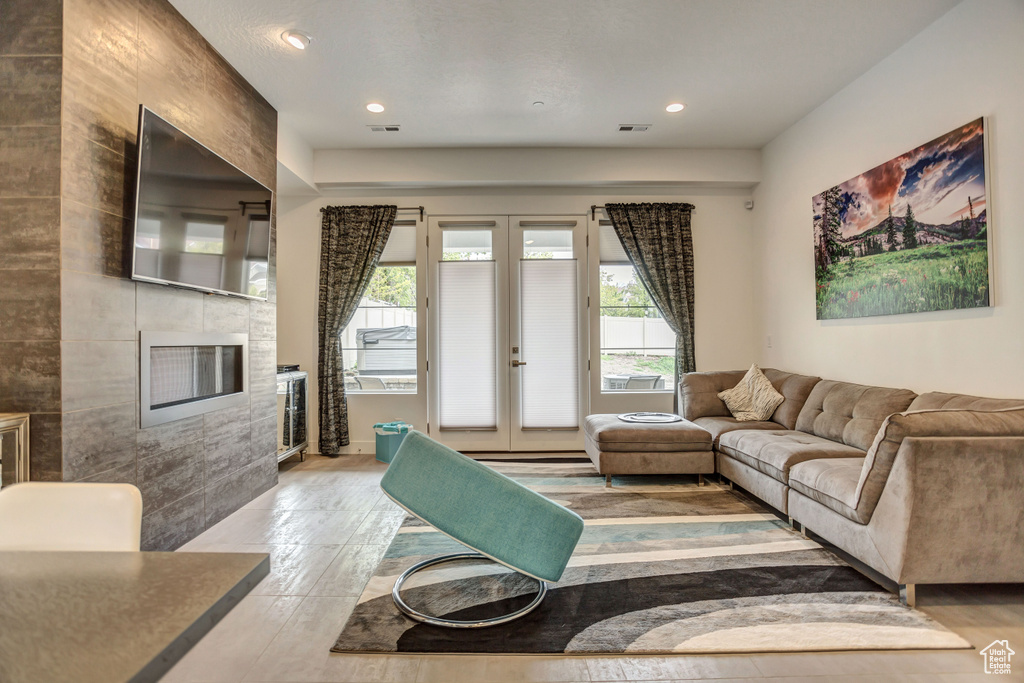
908 236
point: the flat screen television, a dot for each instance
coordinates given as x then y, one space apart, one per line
200 222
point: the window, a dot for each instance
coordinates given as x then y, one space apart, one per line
380 343
204 238
637 346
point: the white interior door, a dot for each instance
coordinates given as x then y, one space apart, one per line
508 332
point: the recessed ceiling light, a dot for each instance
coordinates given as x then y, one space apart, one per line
375 107
673 108
296 39
538 104
529 241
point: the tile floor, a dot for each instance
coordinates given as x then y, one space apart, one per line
326 525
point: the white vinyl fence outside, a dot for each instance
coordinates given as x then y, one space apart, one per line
637 334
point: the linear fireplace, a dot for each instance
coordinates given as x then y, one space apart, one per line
183 374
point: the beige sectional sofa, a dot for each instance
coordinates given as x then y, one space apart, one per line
923 489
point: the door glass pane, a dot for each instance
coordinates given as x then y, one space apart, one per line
550 336
637 345
467 344
467 245
547 244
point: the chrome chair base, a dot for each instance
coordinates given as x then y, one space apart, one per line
451 623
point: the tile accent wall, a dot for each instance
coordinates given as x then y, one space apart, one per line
70 327
30 153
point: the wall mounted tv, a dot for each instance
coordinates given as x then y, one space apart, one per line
200 222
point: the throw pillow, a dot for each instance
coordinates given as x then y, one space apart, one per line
754 398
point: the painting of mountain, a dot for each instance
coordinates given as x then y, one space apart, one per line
908 236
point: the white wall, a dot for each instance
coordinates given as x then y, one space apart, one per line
967 64
722 234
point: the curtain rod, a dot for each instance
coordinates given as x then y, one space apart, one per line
412 208
420 209
595 207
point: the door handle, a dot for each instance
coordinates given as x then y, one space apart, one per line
517 363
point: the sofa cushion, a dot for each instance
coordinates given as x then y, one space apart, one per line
796 389
831 482
927 423
936 399
698 394
775 452
720 425
850 413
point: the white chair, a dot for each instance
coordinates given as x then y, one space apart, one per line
66 516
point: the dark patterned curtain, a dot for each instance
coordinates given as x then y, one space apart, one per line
351 241
658 241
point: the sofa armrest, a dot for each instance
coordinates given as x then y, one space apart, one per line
698 393
952 510
899 427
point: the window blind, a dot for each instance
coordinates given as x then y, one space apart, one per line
467 345
549 343
401 247
612 252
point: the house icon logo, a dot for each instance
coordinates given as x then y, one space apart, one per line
997 657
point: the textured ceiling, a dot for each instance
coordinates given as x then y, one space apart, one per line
466 73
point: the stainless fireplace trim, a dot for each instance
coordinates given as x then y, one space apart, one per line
150 417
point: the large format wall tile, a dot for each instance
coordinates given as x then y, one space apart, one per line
93 241
227 494
30 161
96 176
30 91
125 474
263 379
227 441
30 377
98 373
168 309
263 437
174 524
44 446
29 305
263 475
31 27
225 314
98 439
169 436
100 83
104 307
262 321
170 476
29 233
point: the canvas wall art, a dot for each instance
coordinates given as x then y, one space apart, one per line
908 236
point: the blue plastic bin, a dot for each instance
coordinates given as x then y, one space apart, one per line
389 437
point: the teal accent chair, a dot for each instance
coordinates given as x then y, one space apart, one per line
493 515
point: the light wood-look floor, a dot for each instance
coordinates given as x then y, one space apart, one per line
326 526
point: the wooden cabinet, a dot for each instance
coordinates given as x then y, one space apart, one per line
13 448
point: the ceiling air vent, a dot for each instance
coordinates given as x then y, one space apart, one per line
393 128
633 127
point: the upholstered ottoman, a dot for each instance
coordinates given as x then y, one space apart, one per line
618 447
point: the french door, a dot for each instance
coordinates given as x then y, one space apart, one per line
508 332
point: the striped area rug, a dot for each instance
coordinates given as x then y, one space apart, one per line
664 566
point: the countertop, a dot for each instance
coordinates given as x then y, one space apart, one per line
109 617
